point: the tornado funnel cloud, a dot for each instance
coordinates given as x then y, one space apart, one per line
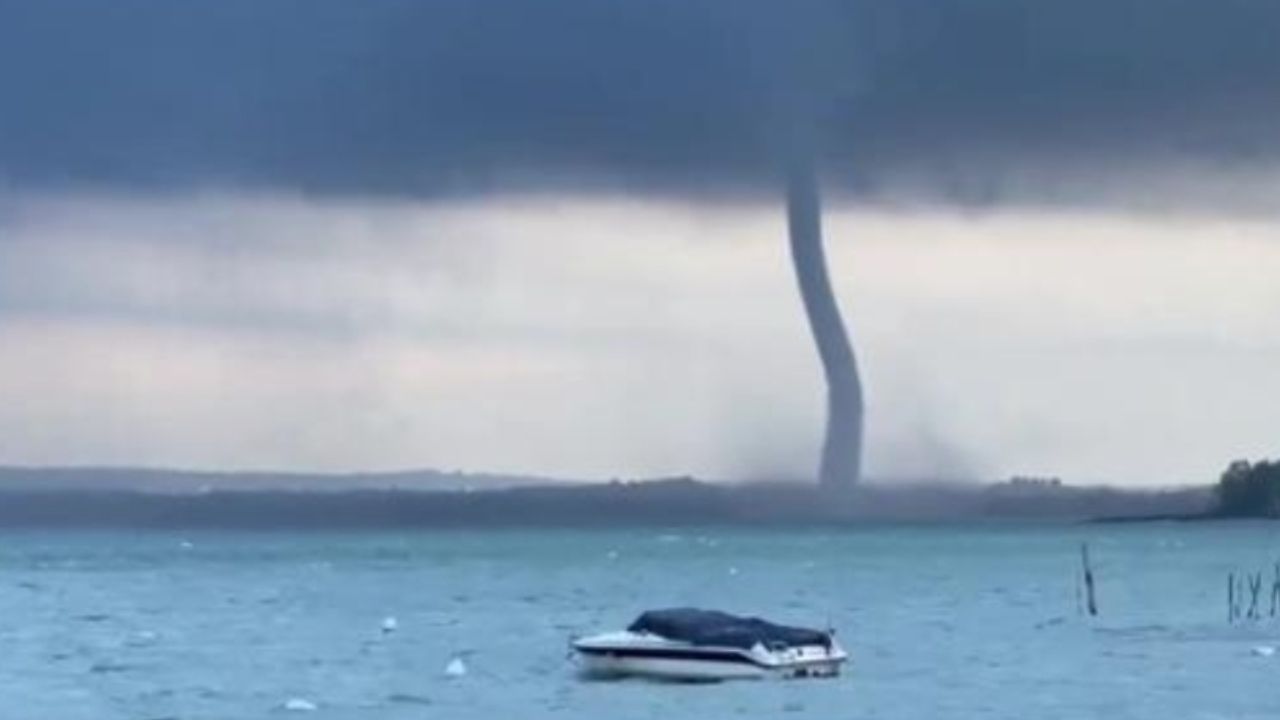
841 463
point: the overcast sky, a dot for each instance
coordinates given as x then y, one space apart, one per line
545 237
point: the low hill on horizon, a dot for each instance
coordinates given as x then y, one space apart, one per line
171 481
448 500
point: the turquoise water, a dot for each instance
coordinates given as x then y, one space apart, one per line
965 622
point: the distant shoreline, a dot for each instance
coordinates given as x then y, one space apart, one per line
1194 517
669 502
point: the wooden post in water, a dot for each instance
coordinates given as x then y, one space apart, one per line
1088 579
1079 597
1231 597
1255 588
1239 595
1275 592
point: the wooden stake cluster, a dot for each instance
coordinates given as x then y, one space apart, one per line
1236 595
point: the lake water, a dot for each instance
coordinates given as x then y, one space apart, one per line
962 622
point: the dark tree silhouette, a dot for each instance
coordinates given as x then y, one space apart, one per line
1250 490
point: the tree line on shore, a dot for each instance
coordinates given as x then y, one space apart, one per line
1249 489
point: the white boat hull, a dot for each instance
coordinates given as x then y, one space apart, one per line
620 655
608 667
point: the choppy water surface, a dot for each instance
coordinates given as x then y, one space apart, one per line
968 622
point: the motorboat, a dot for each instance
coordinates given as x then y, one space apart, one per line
690 644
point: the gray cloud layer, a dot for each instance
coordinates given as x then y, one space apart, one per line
966 99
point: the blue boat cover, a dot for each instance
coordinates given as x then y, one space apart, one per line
712 627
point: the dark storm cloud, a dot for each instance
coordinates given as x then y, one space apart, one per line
456 96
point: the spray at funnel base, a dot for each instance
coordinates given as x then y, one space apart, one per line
841 463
